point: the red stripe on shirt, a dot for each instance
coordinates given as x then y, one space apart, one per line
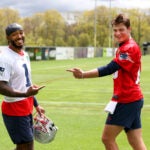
19 108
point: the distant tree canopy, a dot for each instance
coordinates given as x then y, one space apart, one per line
51 29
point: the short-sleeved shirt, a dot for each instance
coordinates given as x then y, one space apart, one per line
127 78
15 70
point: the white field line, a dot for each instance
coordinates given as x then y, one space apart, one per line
72 103
79 103
108 90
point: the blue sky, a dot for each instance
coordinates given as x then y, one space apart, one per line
29 7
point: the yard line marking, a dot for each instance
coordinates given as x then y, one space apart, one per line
80 103
71 103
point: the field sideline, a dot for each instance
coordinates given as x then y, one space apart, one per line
77 105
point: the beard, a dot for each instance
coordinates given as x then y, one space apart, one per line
13 43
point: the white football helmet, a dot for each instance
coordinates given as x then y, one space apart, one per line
44 129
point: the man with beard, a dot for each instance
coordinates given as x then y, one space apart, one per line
18 91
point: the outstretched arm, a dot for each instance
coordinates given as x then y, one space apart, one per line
98 72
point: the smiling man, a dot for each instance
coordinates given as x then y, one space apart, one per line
127 99
17 88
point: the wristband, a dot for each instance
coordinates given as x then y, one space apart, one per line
35 103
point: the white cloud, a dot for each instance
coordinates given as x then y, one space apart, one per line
135 3
28 8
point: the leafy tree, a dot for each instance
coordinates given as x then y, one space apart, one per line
84 40
60 41
51 29
72 41
32 27
7 16
53 26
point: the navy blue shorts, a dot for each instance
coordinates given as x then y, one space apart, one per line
126 115
20 129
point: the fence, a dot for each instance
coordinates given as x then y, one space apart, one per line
61 53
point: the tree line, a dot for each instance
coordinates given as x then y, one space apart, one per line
50 28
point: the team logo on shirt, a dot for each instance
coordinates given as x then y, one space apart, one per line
2 70
125 56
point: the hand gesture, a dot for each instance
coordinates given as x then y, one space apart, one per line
33 90
77 72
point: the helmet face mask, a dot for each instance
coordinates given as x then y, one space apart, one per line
44 129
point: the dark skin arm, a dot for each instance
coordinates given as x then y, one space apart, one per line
6 90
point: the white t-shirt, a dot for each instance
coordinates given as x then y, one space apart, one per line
16 71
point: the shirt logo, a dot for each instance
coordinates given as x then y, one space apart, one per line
125 56
2 70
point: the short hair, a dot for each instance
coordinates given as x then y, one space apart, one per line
121 18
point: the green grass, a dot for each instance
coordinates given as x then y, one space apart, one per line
77 106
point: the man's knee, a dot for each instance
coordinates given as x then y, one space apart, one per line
105 139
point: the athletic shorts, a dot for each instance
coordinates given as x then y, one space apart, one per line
20 129
126 115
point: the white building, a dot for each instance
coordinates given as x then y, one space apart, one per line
71 17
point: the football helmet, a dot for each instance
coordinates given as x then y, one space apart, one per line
44 129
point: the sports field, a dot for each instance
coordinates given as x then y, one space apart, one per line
77 105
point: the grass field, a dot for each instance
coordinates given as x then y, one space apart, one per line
77 106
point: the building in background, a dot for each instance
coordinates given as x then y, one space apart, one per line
71 17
